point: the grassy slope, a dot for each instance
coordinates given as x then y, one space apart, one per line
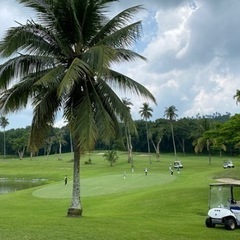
163 210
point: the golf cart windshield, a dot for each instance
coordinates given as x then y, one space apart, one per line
223 195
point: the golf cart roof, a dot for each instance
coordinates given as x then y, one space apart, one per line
225 184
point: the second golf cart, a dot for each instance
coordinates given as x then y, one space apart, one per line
224 205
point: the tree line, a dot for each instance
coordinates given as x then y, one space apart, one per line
190 136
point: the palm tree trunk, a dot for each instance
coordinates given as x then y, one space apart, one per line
71 144
4 143
60 150
209 154
75 209
156 148
174 146
130 150
150 160
128 139
129 145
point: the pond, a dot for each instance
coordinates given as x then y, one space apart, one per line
10 185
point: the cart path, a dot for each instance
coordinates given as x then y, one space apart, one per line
228 180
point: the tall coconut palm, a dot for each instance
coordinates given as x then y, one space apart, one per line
3 123
170 113
63 61
128 131
146 113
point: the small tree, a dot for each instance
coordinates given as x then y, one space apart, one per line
48 144
19 144
111 156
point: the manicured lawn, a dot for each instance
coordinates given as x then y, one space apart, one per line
157 206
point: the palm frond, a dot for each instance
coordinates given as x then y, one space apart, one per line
123 37
80 117
77 70
14 99
23 38
99 58
20 93
46 106
126 55
125 83
21 66
120 21
51 77
115 110
200 143
44 10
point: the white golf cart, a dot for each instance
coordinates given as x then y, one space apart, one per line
224 205
228 164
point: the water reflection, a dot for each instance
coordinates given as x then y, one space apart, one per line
10 185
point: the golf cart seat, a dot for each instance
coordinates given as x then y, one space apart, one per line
235 208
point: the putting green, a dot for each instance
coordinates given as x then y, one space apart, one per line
108 184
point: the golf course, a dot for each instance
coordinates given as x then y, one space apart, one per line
118 203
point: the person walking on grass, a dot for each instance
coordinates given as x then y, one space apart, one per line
146 171
65 180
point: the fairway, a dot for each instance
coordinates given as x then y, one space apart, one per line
103 185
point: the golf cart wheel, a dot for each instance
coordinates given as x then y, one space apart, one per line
230 224
209 223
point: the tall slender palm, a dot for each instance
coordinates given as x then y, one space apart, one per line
63 61
128 103
146 113
170 113
3 123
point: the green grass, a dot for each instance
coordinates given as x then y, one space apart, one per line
157 206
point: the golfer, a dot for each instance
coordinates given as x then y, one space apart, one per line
65 180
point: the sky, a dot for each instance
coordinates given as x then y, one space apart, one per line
192 50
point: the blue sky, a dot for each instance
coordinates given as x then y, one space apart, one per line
193 53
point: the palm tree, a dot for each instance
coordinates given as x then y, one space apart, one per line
206 135
111 156
63 62
237 96
146 113
3 123
170 113
128 131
